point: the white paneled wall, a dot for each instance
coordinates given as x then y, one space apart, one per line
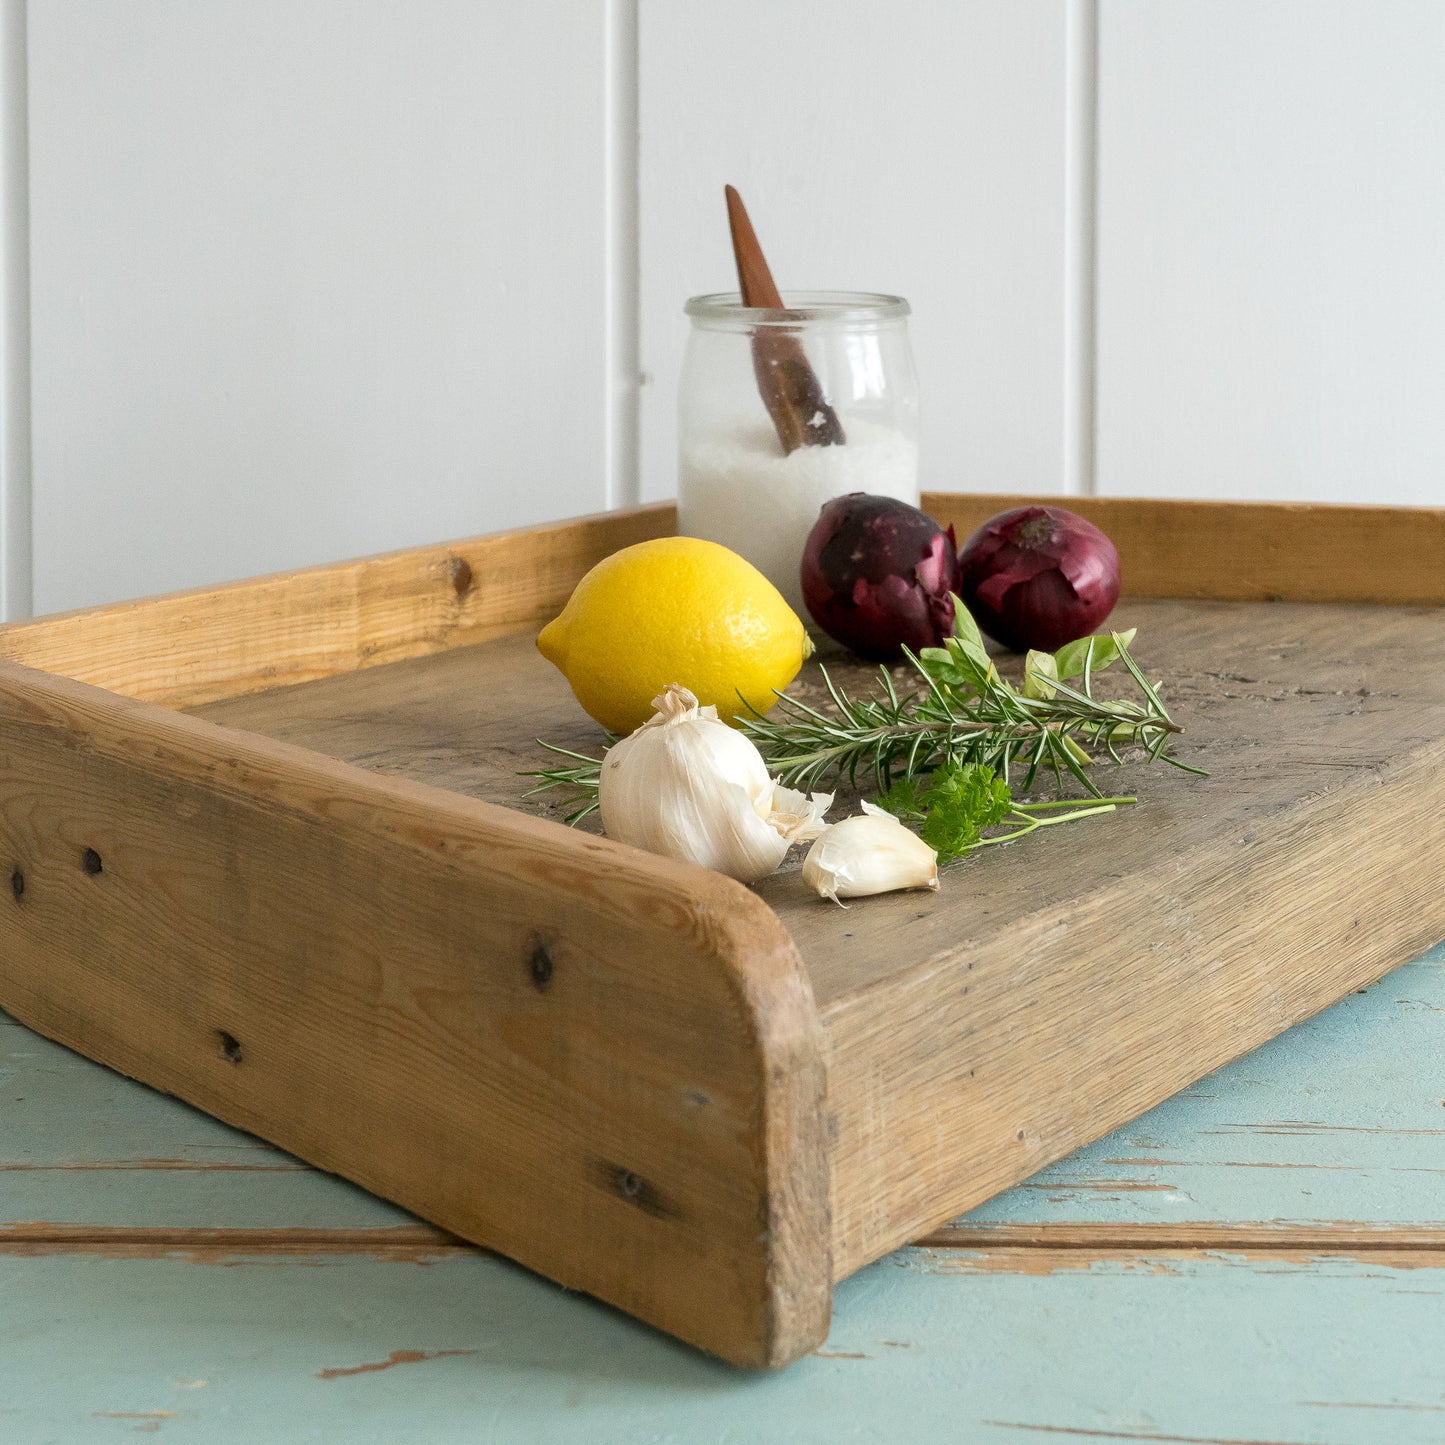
309 278
1271 302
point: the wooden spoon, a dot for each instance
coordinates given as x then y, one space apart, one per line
788 385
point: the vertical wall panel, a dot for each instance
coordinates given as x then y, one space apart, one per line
915 148
309 280
1271 295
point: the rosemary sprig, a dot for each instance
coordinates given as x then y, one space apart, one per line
581 775
969 716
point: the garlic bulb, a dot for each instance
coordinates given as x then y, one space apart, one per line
688 786
870 853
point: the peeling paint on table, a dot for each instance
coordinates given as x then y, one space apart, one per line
1202 1348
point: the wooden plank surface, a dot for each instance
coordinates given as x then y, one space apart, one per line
1057 988
1250 551
606 1069
1003 1339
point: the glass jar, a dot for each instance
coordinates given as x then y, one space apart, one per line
736 482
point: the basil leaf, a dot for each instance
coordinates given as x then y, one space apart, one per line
966 636
1040 674
1070 659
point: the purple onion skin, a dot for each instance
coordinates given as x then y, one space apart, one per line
877 575
1038 577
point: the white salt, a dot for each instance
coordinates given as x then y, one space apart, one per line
739 489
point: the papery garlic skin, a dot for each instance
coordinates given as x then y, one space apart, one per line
870 853
797 817
690 787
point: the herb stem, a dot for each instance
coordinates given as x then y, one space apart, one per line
1033 823
1066 803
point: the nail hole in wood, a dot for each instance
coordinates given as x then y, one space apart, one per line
636 1190
90 861
231 1049
17 885
461 576
540 967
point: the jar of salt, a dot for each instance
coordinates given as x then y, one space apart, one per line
780 411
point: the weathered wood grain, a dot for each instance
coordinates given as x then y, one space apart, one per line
414 1243
263 632
83 1147
607 1069
1334 1129
1250 551
1057 988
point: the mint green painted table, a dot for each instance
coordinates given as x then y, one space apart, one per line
1260 1259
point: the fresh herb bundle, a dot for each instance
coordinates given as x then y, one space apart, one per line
952 753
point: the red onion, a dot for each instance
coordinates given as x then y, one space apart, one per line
1038 577
877 575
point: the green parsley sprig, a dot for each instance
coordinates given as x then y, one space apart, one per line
956 802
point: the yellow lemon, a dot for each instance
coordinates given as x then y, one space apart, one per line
676 609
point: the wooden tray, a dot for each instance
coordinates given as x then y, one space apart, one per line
256 860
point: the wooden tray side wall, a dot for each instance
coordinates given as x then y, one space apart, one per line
1026 1047
605 1065
1250 551
191 648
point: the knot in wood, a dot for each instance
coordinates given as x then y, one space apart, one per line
91 862
17 885
540 967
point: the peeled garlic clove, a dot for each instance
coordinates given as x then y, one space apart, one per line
870 853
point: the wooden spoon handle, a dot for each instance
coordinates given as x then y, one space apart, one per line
788 385
755 280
